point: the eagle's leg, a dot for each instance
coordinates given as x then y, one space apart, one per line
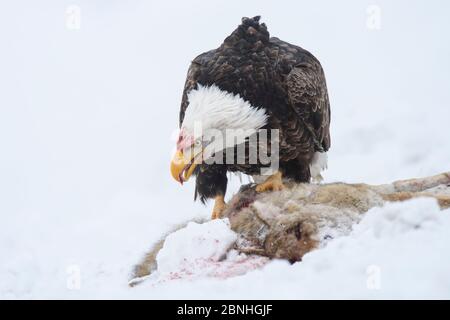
219 207
272 183
211 183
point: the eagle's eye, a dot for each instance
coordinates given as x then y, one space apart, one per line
198 142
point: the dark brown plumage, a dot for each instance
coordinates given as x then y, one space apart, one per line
284 79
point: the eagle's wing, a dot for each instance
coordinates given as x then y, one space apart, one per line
308 96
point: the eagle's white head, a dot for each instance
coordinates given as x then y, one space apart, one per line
212 113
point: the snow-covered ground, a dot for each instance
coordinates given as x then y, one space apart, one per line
398 251
86 123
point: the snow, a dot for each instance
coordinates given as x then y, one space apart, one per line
207 242
387 255
201 250
86 123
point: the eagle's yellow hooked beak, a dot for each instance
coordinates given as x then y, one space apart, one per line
182 166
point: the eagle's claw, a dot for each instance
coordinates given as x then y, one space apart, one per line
273 183
219 207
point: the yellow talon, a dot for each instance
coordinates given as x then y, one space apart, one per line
219 207
272 183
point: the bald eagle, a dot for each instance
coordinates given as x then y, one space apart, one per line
253 82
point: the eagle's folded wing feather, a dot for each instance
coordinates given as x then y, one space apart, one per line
308 96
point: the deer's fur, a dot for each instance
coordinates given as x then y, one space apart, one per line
289 223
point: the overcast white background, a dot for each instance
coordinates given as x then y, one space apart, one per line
87 117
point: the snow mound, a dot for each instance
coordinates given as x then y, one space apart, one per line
397 218
202 250
208 242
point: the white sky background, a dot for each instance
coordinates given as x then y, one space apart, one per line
86 116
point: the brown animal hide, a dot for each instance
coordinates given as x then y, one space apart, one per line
289 223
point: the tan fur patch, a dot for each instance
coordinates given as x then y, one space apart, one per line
290 223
